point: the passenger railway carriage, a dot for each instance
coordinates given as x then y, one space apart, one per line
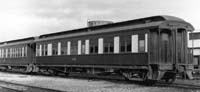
17 54
152 48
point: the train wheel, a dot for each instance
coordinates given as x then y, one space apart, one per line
29 69
169 77
66 74
170 80
147 81
127 76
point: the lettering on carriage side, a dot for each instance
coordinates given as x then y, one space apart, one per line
59 48
79 47
134 42
68 47
100 47
49 51
116 44
87 46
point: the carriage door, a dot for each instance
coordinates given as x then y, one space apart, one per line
153 44
181 46
161 46
166 46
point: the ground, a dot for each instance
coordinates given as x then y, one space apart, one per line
91 85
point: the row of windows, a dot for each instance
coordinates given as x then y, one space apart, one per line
118 44
13 52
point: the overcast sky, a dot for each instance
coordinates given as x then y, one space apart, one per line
25 18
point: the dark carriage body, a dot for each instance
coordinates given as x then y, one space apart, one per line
150 48
17 53
95 58
157 44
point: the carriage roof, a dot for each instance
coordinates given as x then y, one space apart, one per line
137 23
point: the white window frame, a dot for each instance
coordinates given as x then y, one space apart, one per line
146 43
40 50
6 53
87 46
100 46
59 48
22 51
68 48
49 49
79 47
116 44
0 53
26 51
134 43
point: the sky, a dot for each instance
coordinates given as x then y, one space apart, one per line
27 18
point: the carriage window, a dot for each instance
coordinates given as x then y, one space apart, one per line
134 42
55 48
44 50
74 47
83 47
0 53
100 45
18 52
116 44
68 48
93 46
37 50
26 51
141 47
6 53
79 47
11 53
40 50
108 45
125 44
59 48
49 49
64 48
22 51
146 42
14 52
87 46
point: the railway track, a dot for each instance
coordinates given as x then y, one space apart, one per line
15 87
178 85
25 88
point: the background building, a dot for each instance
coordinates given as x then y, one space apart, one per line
194 44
